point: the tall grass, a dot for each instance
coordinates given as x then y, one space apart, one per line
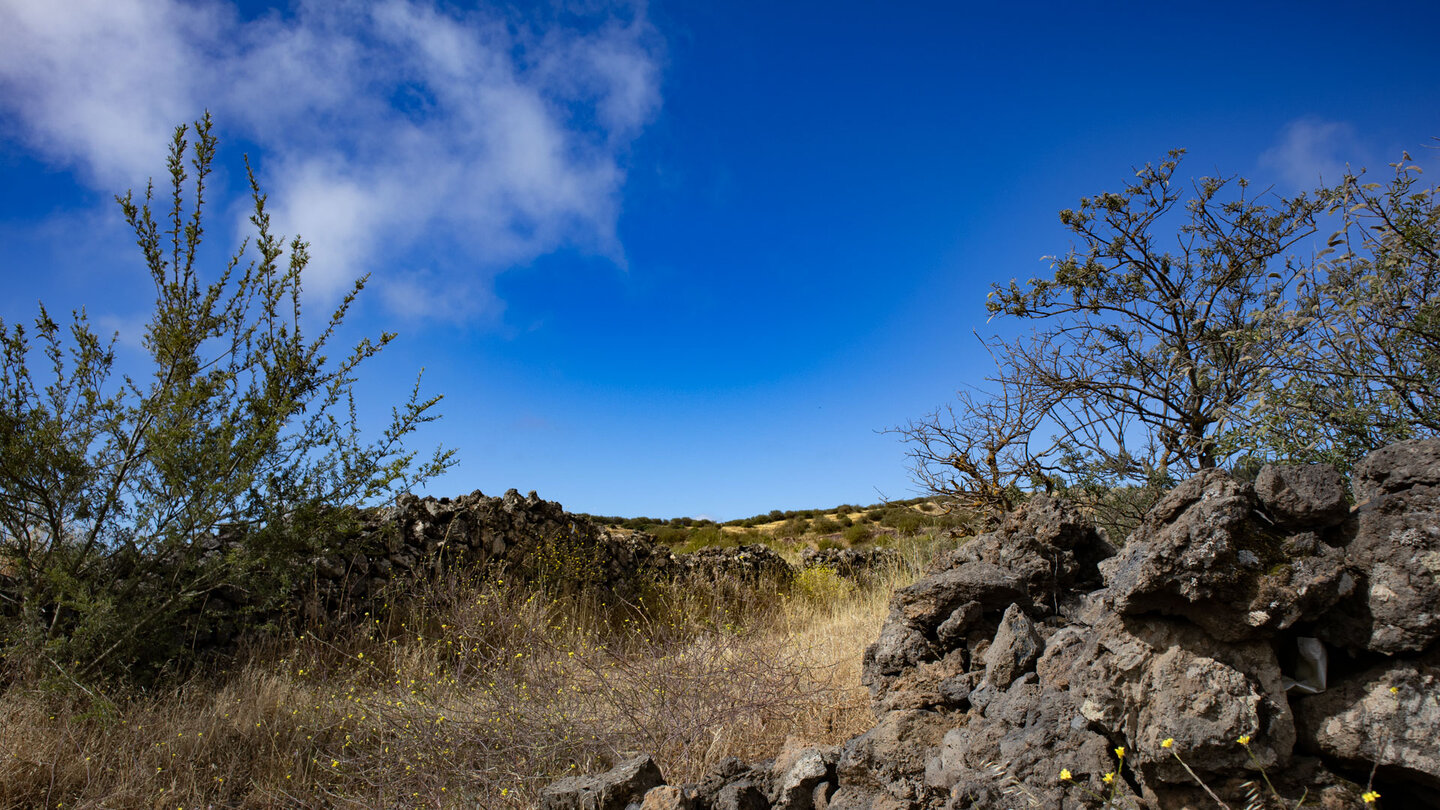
475 692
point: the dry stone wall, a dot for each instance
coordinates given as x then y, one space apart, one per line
526 536
1274 613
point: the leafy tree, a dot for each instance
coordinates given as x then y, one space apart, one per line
1149 345
112 491
1146 351
1368 372
1182 332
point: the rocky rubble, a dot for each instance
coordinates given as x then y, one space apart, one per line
1272 613
853 563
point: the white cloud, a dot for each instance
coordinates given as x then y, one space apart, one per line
384 128
1312 151
99 84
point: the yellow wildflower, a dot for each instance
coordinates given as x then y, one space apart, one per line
1370 796
1108 778
1064 774
1243 739
1167 742
1120 751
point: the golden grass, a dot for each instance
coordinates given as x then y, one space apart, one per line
478 694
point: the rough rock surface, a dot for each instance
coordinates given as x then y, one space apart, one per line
852 563
749 565
667 797
940 627
1203 553
626 783
1388 714
1302 496
1015 649
1038 647
1393 551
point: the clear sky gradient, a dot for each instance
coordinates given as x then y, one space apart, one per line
684 258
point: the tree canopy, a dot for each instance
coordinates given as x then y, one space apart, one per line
1194 325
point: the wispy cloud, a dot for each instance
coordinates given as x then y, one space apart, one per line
385 128
1311 151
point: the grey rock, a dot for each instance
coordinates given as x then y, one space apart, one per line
851 797
853 563
622 785
980 758
732 785
1144 680
961 619
1015 650
1048 546
932 599
1360 720
742 795
905 640
821 795
1302 496
667 797
1200 553
956 689
795 785
751 565
890 758
1393 553
1396 468
1037 647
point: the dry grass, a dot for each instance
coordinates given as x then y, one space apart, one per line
478 695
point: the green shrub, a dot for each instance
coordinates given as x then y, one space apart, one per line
824 525
111 493
820 584
671 535
711 536
858 534
794 527
911 523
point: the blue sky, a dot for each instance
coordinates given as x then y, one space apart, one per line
679 258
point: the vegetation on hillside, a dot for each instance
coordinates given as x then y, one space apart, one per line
788 531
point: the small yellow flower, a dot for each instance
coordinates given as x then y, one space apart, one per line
1108 778
1394 690
1243 739
1370 796
1167 742
1120 751
334 763
359 655
1064 774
